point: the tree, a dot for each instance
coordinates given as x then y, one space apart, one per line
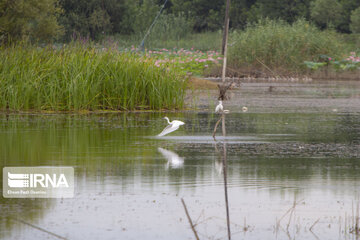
35 20
327 13
355 21
145 12
348 6
288 10
93 18
241 14
99 21
205 14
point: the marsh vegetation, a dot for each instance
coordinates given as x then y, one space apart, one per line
78 77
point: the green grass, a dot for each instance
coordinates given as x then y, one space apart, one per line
283 47
85 78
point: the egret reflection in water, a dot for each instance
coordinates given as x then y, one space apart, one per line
218 161
174 160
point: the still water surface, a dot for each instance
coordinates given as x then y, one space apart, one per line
129 183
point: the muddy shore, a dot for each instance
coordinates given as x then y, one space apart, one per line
282 96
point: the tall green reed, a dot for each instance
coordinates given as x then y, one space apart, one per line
85 78
280 45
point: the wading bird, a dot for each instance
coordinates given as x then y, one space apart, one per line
174 125
219 108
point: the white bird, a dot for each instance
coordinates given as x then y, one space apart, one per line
219 108
173 159
174 125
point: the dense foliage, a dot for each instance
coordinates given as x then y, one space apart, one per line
355 21
85 78
281 46
65 19
29 20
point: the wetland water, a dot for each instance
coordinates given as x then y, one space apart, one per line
299 142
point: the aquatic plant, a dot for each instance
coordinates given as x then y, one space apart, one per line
352 62
193 61
79 77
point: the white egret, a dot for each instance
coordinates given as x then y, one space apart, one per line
174 160
174 125
219 108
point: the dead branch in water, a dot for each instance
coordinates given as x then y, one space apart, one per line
290 210
222 96
39 228
225 184
314 224
222 90
190 221
356 227
216 125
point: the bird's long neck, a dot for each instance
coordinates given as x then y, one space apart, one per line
167 120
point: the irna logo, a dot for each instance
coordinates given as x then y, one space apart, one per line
16 180
38 182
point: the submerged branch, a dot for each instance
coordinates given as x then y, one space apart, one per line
189 218
39 228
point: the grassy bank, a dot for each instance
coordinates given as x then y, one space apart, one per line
85 78
283 47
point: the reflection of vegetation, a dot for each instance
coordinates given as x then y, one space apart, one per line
29 210
96 140
320 148
308 128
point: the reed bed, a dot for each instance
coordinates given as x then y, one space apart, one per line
281 46
79 77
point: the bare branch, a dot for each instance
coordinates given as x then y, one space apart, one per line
189 218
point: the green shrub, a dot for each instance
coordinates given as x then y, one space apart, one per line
327 13
281 46
355 21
